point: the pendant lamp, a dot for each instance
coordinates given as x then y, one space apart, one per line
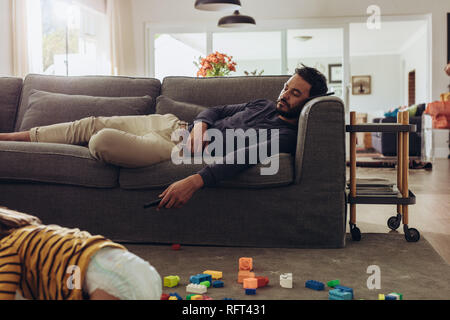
236 20
218 5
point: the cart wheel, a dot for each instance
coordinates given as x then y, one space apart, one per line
355 232
394 222
411 234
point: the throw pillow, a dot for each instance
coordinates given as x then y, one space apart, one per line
182 110
46 108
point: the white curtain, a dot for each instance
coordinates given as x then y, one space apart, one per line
123 59
19 38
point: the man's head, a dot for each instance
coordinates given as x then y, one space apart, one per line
305 83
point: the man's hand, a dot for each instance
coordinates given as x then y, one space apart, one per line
195 141
179 193
447 69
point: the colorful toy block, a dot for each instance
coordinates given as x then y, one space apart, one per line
250 283
244 274
246 264
315 285
165 296
175 295
206 283
197 297
397 296
196 288
189 296
205 297
171 281
337 294
346 289
390 296
176 246
262 281
286 280
250 291
217 284
333 283
216 275
200 278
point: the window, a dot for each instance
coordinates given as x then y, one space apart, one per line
71 38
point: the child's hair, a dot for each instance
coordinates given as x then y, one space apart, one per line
11 220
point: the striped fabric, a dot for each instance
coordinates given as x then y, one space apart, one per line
47 262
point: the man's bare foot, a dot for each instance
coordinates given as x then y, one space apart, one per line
15 136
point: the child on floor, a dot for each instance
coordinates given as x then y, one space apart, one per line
55 263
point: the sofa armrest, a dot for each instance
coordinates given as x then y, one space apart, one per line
10 90
320 155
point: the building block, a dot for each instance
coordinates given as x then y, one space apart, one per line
346 289
205 297
286 280
250 291
189 296
337 294
196 288
165 296
216 275
175 295
245 274
315 285
197 297
333 283
246 264
250 283
176 246
206 283
171 281
397 296
262 281
227 299
390 296
200 278
217 284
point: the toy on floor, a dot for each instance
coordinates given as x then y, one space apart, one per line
24 240
196 288
315 285
286 280
171 281
337 294
333 283
215 275
390 296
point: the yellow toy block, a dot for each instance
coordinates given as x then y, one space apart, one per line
216 275
197 297
171 281
246 264
250 283
245 274
173 298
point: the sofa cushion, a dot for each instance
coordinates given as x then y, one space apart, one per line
45 108
54 163
215 91
183 110
10 89
163 174
97 86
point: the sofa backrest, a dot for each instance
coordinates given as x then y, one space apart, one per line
10 89
99 86
216 91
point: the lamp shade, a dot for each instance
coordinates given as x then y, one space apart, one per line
218 5
236 20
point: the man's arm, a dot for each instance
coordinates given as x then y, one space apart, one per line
213 114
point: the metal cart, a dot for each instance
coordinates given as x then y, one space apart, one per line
403 197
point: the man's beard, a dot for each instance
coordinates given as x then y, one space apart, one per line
291 113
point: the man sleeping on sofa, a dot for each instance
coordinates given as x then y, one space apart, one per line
139 141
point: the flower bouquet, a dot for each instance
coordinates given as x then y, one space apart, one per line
215 65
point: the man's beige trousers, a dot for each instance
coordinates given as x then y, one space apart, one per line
126 141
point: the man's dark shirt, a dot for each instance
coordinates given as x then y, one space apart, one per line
258 114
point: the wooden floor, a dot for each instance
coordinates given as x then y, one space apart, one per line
431 213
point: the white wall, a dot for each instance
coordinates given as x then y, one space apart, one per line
177 11
5 39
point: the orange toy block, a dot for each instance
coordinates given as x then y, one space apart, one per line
245 274
246 264
250 283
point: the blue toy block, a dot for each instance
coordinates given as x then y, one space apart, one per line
337 294
175 295
250 291
346 289
200 278
227 299
388 297
315 285
217 284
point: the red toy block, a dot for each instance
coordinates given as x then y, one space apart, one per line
250 283
176 246
165 296
262 281
246 264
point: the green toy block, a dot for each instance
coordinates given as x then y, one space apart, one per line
333 283
399 295
206 283
188 297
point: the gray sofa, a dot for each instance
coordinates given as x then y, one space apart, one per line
302 206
